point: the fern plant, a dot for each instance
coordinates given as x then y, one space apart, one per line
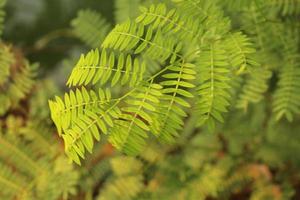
200 97
200 55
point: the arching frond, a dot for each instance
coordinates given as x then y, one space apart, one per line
130 130
132 36
213 87
6 60
287 97
239 5
12 184
126 9
90 27
125 165
177 80
207 12
81 117
255 87
76 103
22 81
207 184
124 187
240 51
18 79
102 67
39 136
284 7
266 36
170 21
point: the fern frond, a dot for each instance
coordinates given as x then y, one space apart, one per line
205 184
75 104
19 82
126 9
93 172
207 12
22 81
177 80
284 7
237 180
6 60
125 165
255 87
140 39
199 8
21 156
214 84
13 183
60 173
2 15
240 51
175 39
38 134
125 188
80 118
266 36
130 130
287 97
234 5
107 66
169 21
90 27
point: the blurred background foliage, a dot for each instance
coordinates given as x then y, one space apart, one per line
42 28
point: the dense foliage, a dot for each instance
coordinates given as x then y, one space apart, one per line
173 99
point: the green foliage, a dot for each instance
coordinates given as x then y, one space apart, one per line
199 57
79 118
213 87
126 9
131 127
104 66
198 99
254 88
284 7
241 51
90 27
